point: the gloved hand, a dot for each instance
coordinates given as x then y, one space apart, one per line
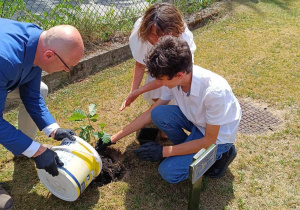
103 142
48 160
64 133
151 151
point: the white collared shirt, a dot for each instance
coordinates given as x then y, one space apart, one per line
209 101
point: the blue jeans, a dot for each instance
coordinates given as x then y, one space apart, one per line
170 120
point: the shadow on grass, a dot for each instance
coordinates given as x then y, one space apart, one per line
23 190
147 190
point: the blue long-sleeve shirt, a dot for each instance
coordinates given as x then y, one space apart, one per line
18 43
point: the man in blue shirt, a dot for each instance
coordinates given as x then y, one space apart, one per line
26 50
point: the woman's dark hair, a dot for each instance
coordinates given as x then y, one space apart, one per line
165 17
168 57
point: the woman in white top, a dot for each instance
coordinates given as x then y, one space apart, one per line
159 20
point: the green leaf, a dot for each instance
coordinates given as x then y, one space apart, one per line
83 127
77 129
102 125
83 134
97 135
106 137
78 115
94 118
89 127
92 109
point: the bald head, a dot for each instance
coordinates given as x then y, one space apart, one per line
66 41
59 49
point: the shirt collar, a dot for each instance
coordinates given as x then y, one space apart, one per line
195 85
188 93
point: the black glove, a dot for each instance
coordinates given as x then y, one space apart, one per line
151 151
64 133
48 160
102 143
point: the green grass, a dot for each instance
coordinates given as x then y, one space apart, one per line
255 46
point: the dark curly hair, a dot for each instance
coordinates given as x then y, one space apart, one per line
168 57
167 19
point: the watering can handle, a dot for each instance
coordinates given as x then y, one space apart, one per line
74 150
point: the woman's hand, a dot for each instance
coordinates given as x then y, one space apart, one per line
130 98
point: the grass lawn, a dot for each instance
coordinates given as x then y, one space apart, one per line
254 45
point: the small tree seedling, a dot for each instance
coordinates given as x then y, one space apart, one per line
87 130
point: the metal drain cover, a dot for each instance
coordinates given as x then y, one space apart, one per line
256 120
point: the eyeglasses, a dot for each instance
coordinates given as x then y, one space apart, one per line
62 61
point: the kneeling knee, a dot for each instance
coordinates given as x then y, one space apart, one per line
157 113
167 175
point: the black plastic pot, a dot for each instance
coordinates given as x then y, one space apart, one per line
147 135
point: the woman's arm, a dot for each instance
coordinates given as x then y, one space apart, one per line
138 123
135 93
138 73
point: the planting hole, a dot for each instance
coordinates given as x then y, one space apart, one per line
112 168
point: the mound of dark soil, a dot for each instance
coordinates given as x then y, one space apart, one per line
112 168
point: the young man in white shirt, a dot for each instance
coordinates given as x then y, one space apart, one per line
207 108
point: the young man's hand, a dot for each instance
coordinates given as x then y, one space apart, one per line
48 160
61 133
151 151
